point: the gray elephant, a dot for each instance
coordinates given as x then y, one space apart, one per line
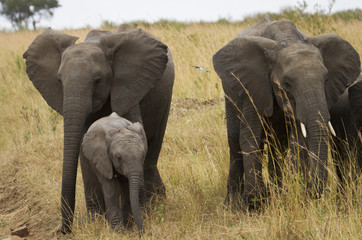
273 73
130 73
116 150
346 117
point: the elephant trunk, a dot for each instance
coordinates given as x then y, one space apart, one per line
318 147
75 114
135 182
316 119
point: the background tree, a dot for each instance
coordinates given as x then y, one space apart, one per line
21 12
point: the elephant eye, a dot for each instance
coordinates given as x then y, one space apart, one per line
59 78
286 85
97 81
118 156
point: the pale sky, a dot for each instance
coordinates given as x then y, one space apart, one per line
81 13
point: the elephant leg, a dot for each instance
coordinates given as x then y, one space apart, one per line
235 183
251 143
274 164
346 157
357 163
152 178
92 189
125 202
156 121
277 146
112 192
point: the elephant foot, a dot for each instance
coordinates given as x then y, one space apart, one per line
66 227
154 186
116 221
117 227
252 200
233 200
63 231
234 193
153 194
128 222
315 191
60 233
316 187
92 212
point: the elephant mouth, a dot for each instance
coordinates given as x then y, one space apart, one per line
304 129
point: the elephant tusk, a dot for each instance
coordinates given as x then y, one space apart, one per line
331 128
304 131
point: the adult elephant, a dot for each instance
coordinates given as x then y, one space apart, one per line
130 73
346 117
272 70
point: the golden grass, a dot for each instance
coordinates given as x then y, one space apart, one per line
193 162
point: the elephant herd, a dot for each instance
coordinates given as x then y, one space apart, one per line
114 91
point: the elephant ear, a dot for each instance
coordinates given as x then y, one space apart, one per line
342 62
95 149
42 63
243 67
139 61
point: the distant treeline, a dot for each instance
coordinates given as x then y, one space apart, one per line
296 15
299 15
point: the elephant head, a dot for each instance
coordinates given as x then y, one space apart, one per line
274 62
106 71
116 146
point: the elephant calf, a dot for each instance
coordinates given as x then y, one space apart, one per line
116 149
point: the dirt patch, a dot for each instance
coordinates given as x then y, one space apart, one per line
180 107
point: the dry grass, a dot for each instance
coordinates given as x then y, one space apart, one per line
193 162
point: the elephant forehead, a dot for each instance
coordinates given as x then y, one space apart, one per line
299 53
84 61
115 121
118 123
126 144
283 31
111 122
86 51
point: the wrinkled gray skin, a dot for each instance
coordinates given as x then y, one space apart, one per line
275 61
346 117
130 73
116 150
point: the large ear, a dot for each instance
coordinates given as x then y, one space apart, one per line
342 62
42 63
95 149
139 61
245 59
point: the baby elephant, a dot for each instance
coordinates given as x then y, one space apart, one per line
116 149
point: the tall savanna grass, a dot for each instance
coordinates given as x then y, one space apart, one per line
193 163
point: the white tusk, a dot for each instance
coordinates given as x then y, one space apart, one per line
304 131
331 128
